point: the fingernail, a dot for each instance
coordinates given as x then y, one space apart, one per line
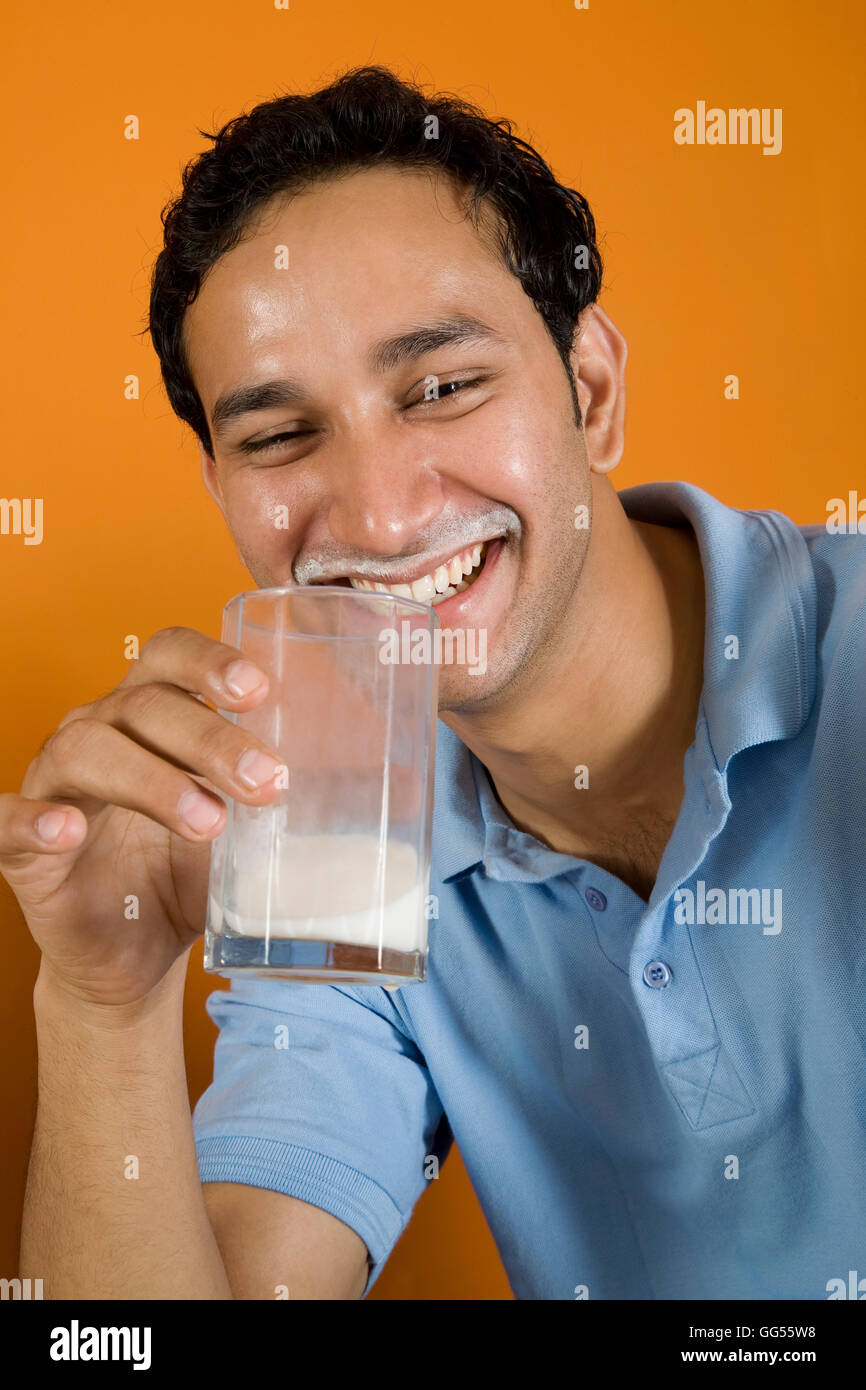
49 825
242 678
256 768
198 810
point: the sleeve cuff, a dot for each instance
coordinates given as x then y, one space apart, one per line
311 1177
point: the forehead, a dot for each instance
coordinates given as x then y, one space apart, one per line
324 272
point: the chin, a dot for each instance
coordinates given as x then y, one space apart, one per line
463 693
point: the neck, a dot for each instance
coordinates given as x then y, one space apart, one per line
616 692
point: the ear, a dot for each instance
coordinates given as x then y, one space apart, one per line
211 481
598 360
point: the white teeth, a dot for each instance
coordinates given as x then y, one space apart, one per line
445 581
424 588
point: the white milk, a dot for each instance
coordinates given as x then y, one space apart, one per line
326 888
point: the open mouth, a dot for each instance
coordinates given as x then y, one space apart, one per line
448 579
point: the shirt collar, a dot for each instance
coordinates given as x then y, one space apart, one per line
760 589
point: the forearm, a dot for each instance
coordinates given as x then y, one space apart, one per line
114 1206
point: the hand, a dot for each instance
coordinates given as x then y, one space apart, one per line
122 800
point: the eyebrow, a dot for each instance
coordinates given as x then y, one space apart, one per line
454 331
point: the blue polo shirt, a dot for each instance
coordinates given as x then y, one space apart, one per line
659 1100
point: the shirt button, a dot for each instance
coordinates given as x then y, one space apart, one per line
657 975
596 899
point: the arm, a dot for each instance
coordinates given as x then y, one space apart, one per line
110 1088
113 1085
110 807
270 1241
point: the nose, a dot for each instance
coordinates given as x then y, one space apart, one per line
384 491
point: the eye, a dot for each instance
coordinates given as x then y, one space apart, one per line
446 389
273 441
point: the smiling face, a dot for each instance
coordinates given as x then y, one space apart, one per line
423 411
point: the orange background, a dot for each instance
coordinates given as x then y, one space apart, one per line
717 260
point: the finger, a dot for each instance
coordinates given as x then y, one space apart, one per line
170 723
199 664
89 758
30 827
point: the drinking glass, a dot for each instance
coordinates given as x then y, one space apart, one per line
330 883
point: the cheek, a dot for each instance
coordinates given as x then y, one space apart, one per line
265 516
527 449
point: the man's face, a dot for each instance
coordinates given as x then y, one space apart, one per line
380 479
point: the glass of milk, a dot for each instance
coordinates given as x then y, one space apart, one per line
330 883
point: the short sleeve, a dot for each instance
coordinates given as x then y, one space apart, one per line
319 1092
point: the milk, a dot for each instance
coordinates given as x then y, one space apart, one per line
325 888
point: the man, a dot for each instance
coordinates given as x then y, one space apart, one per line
642 1021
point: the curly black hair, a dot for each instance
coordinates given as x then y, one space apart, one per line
545 231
